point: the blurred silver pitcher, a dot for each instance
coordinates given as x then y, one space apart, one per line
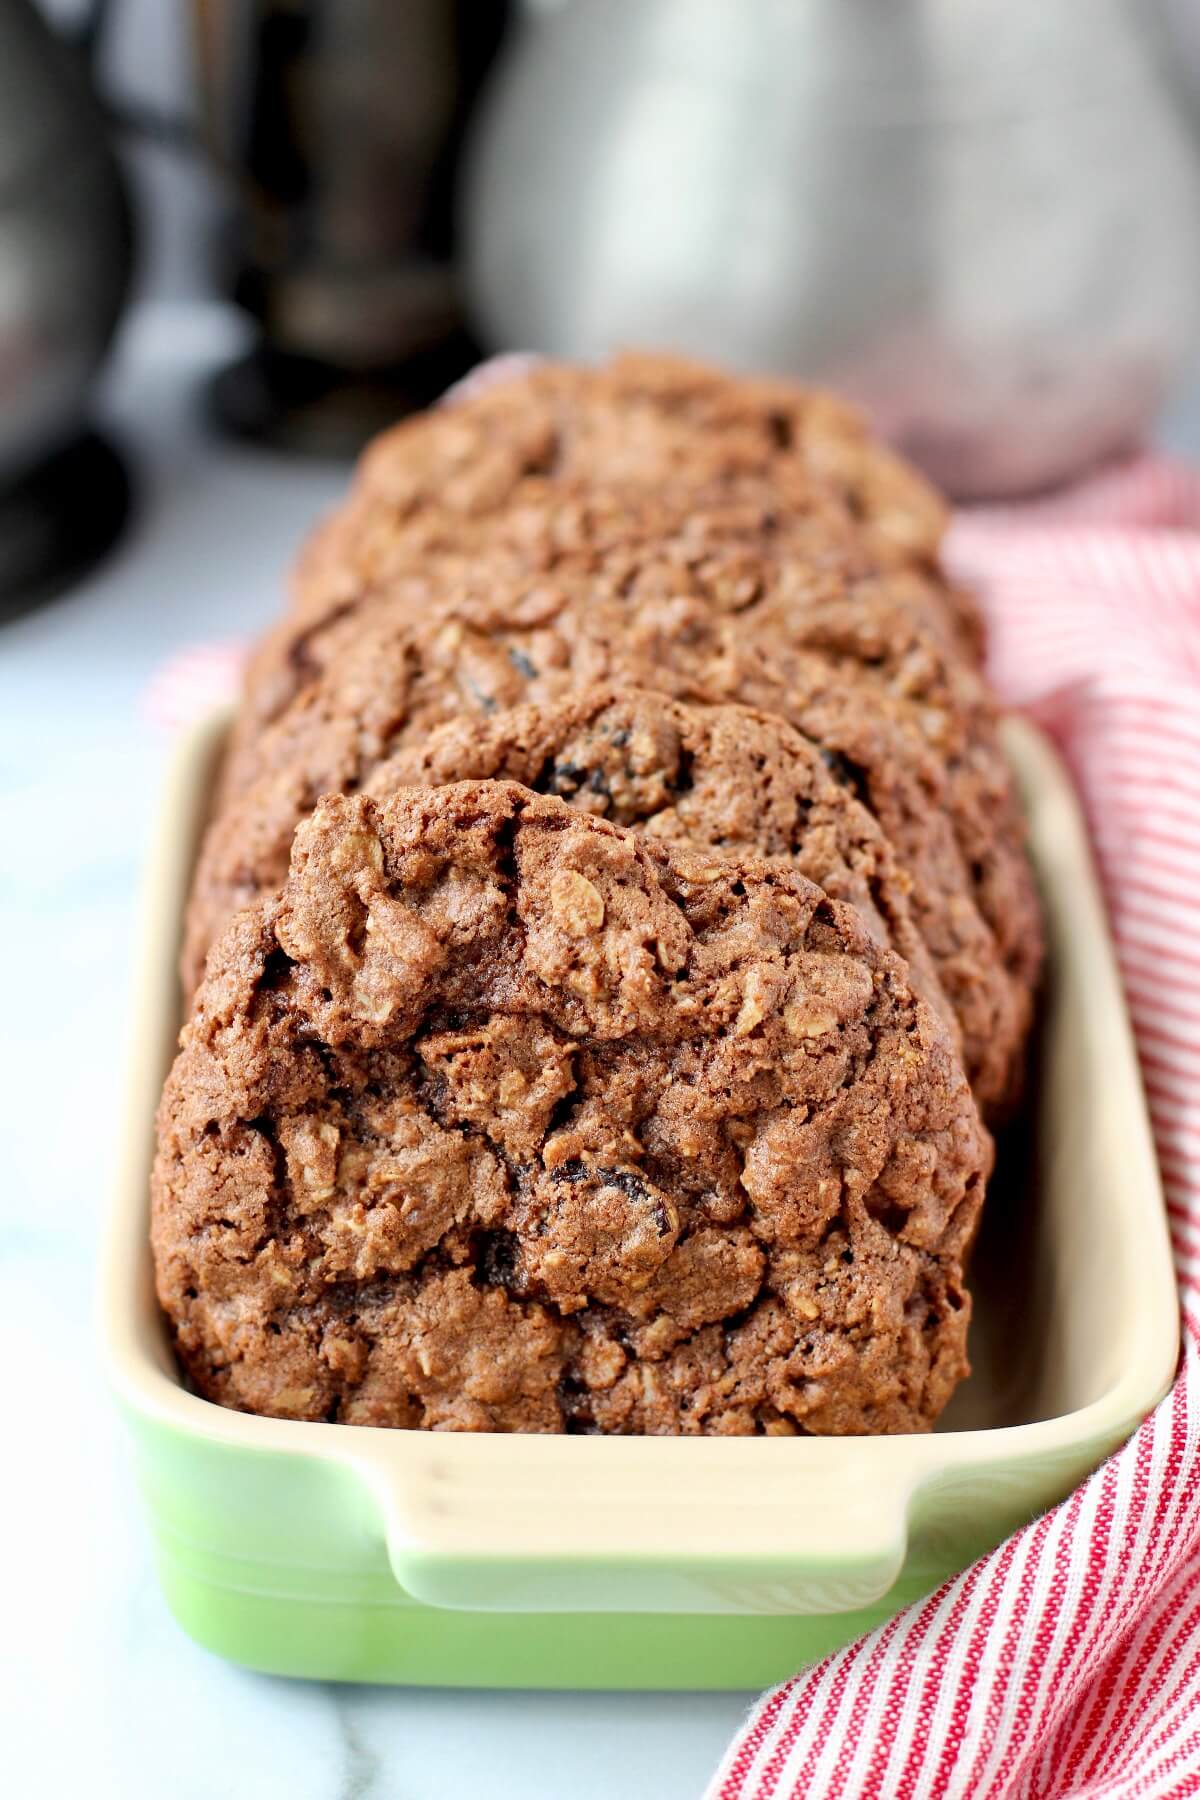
979 217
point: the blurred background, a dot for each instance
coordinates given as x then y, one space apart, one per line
981 218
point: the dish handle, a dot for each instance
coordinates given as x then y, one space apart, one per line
467 1527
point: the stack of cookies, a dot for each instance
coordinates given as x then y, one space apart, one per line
613 940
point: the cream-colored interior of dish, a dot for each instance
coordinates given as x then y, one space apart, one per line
1054 1274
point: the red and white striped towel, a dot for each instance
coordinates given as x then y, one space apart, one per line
1068 1661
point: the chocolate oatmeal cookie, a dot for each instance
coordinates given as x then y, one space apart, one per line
495 468
639 418
501 1117
728 545
907 727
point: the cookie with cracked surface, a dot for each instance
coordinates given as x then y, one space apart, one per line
499 1116
733 545
908 727
489 468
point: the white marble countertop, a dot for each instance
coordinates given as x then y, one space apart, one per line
100 1692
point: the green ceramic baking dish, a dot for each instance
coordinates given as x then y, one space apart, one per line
395 1556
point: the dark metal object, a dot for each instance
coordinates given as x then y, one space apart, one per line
58 521
338 125
299 403
65 263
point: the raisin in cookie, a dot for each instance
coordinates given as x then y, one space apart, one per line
500 1117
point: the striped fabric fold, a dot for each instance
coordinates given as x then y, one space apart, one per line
1068 1661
